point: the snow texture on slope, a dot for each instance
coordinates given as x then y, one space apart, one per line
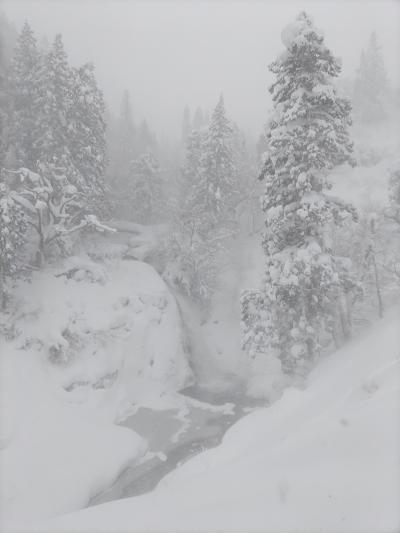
321 459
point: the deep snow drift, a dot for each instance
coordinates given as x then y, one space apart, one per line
325 458
91 341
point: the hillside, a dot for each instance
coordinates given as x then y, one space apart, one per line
320 459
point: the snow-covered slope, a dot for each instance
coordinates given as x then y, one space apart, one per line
90 340
325 458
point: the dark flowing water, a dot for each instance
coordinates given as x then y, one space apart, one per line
203 428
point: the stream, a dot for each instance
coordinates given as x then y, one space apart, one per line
174 440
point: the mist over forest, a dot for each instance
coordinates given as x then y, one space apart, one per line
199 266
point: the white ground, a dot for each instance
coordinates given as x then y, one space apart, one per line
59 444
325 458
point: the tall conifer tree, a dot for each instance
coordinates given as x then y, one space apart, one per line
305 283
371 85
23 96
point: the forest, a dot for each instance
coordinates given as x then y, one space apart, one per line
200 319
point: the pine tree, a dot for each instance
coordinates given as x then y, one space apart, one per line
198 119
189 208
205 217
217 186
145 192
87 144
122 145
3 100
393 212
186 125
371 85
248 189
55 126
12 238
23 90
305 283
146 139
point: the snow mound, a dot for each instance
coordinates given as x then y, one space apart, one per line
321 459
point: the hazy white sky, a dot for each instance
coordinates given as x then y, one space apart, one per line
172 53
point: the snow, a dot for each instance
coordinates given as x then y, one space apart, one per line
93 342
48 443
294 33
325 458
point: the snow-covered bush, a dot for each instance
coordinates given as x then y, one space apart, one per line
53 208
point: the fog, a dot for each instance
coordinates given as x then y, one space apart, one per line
169 54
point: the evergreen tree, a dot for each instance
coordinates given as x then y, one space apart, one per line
55 125
186 125
246 200
305 283
70 131
146 140
261 147
198 119
217 186
12 232
205 212
87 144
196 248
145 192
371 85
189 209
23 96
393 212
8 38
122 145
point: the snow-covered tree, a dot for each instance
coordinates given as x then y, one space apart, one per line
12 237
146 140
199 121
53 208
394 195
144 195
192 172
23 90
248 189
87 144
205 215
305 283
122 141
217 185
55 129
186 124
371 85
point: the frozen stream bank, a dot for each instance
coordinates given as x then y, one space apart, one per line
173 439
